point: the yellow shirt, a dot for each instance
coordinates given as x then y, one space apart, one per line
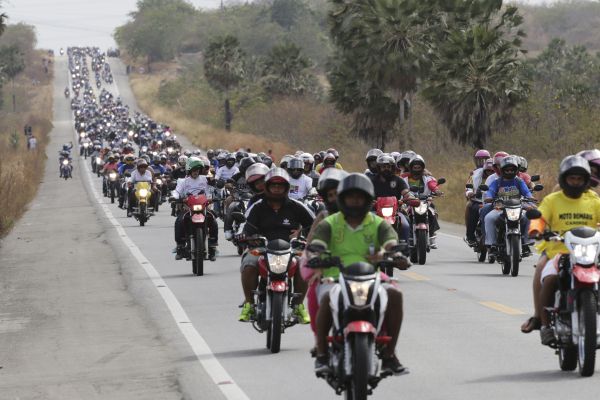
562 213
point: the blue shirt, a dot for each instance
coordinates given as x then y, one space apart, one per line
508 189
125 167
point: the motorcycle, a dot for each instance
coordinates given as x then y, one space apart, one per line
273 300
509 232
66 169
240 201
97 166
358 304
388 209
85 150
196 230
418 216
480 248
67 93
112 185
143 210
574 316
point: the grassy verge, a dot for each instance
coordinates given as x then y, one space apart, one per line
20 168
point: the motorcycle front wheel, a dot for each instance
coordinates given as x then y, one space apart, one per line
142 217
587 331
515 254
422 239
361 360
198 256
274 330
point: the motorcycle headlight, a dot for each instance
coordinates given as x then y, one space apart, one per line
387 211
169 149
197 207
86 145
143 192
65 162
130 133
98 160
124 140
159 181
278 263
513 214
360 291
422 208
82 135
159 142
112 176
585 253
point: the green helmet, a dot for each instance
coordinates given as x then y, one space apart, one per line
193 163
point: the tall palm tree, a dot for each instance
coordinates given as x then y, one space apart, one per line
224 68
287 71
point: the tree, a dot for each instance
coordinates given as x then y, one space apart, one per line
224 68
11 64
476 76
156 29
286 12
287 72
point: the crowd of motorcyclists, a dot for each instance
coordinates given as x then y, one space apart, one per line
325 233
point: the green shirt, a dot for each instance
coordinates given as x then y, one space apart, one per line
352 245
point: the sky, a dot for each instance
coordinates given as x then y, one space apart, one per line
62 23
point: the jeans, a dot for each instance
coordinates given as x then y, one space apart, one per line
482 214
472 218
490 227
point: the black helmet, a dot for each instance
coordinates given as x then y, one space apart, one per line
509 162
245 163
330 179
355 182
593 158
268 161
276 175
295 167
574 165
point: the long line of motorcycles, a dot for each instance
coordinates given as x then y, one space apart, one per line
103 122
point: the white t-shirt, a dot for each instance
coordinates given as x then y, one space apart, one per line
300 187
226 173
190 185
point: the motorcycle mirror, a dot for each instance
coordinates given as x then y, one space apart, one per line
538 188
441 181
484 187
533 214
535 178
469 186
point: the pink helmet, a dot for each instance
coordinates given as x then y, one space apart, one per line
480 156
593 158
499 156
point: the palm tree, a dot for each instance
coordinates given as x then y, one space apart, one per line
476 78
287 71
224 68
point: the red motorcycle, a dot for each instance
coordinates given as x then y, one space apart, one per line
197 230
388 208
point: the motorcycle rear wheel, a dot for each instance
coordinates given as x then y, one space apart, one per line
112 193
587 328
359 385
274 330
198 259
515 254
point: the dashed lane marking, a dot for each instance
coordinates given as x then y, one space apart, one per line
501 307
414 276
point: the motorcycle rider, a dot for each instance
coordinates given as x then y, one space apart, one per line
371 159
508 186
275 217
157 167
356 235
328 162
474 199
180 172
574 206
427 185
140 174
498 157
194 184
300 184
387 184
237 183
309 168
110 165
255 178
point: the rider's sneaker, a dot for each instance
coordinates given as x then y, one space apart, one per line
322 365
492 251
228 235
525 251
547 335
302 314
129 214
247 312
470 242
393 365
180 250
432 243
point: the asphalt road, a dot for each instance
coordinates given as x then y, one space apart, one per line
460 337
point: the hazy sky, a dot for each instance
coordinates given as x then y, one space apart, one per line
62 23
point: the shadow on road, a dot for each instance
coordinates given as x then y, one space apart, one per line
534 376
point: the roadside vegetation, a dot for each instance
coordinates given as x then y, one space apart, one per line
22 75
289 74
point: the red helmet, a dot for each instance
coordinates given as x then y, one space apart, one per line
498 157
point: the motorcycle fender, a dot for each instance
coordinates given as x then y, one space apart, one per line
586 275
359 327
513 231
293 267
334 303
262 267
198 218
278 286
421 226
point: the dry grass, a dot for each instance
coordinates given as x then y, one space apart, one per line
19 167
